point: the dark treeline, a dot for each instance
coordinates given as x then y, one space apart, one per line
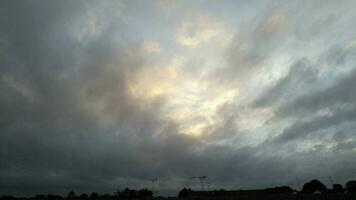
314 187
125 194
311 190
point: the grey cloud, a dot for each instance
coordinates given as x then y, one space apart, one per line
339 94
306 79
301 129
56 132
338 100
68 120
252 46
300 76
307 92
315 98
283 27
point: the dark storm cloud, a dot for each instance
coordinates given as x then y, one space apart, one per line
67 117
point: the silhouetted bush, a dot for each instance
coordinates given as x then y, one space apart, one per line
337 188
183 193
128 193
71 195
145 193
278 190
105 196
40 197
94 195
313 186
351 186
83 196
53 197
5 197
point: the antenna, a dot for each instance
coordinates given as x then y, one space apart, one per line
201 178
117 193
208 185
331 181
298 184
118 188
153 180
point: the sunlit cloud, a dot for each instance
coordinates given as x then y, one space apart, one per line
275 22
351 44
191 103
200 30
151 47
234 90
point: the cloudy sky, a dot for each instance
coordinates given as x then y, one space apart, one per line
100 94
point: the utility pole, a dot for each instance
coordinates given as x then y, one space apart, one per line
201 179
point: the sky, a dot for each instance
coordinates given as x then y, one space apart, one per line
96 95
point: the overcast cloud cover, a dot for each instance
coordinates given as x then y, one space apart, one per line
96 94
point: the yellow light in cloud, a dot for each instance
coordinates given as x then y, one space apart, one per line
190 102
195 107
195 129
192 33
153 81
151 47
275 22
351 44
224 97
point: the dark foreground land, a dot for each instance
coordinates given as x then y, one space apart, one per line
297 196
313 190
282 197
241 197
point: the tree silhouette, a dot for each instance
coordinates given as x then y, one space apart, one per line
337 188
40 197
53 197
313 186
105 196
128 193
279 190
351 186
71 195
83 196
6 197
94 195
145 193
184 193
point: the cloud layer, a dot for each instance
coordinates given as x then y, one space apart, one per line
99 94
